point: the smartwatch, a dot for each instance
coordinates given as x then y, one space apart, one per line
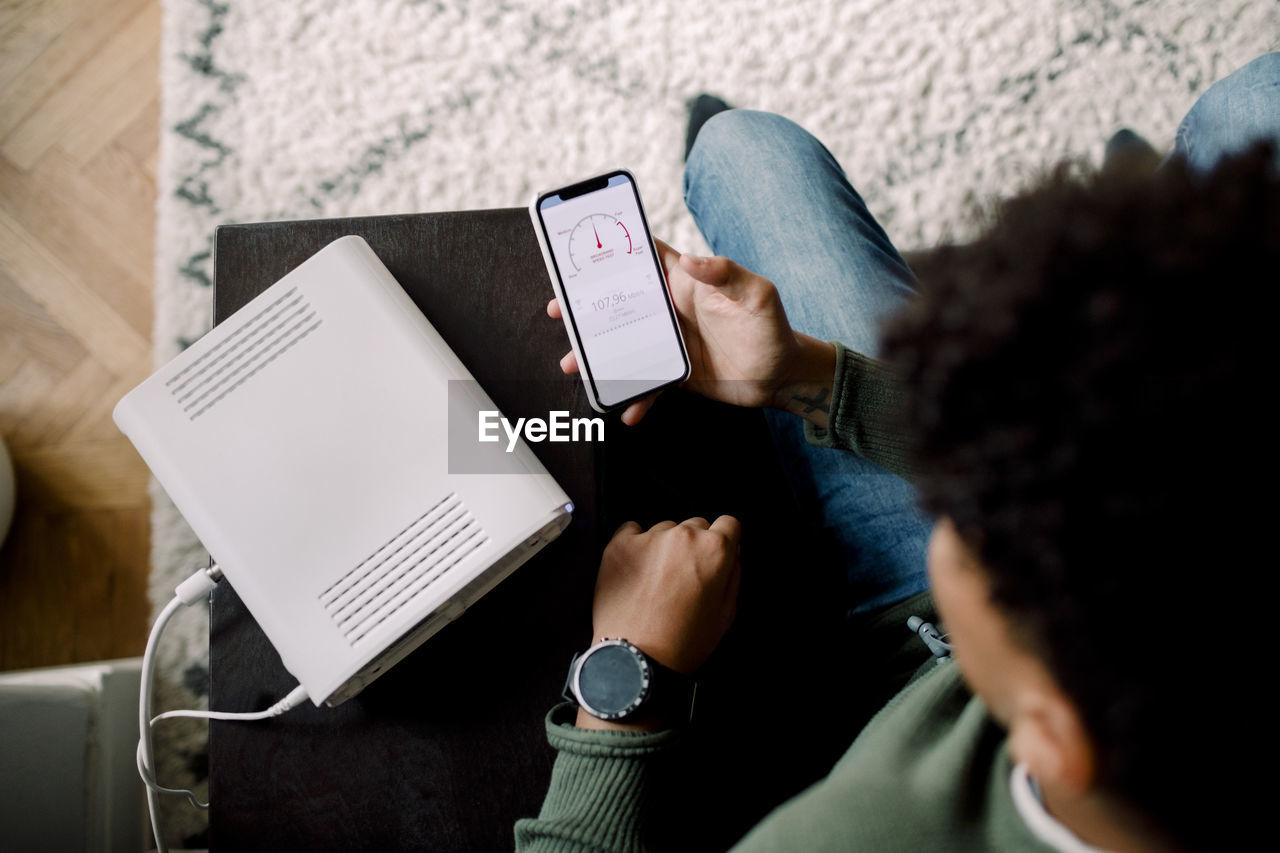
613 680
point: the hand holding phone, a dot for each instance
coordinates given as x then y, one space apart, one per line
741 347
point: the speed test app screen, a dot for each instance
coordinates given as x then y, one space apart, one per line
616 296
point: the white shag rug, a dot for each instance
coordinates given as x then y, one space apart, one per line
320 108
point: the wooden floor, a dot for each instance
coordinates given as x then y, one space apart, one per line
79 105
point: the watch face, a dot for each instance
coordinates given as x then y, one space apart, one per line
612 680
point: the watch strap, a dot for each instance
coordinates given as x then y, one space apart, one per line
671 694
567 692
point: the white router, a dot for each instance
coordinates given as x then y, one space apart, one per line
305 440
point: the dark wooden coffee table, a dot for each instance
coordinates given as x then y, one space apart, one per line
448 749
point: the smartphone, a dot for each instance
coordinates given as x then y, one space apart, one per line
613 295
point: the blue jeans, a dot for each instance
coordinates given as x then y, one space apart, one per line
768 195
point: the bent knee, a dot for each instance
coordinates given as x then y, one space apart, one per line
1237 111
749 143
732 128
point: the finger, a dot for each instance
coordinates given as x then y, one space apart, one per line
732 590
730 527
553 308
569 363
628 528
697 522
735 583
637 410
664 249
661 526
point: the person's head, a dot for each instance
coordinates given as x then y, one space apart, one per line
1089 384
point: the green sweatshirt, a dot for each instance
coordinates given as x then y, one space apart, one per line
930 771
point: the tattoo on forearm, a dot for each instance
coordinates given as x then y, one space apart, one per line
818 402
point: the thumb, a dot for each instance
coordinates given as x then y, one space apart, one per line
719 271
731 280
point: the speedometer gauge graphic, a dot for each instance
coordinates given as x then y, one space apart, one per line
596 239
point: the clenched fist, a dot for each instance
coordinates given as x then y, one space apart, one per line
672 590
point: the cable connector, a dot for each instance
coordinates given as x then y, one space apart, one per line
288 703
295 698
936 641
196 588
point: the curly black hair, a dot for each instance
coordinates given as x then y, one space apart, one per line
1089 384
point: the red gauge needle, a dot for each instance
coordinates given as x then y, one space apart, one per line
599 245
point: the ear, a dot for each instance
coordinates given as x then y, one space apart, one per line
1048 735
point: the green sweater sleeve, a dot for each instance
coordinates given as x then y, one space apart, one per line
929 772
866 401
607 788
600 789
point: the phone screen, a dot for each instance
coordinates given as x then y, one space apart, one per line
616 299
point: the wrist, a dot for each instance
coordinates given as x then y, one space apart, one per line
644 724
809 384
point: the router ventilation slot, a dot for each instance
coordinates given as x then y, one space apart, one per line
241 355
391 577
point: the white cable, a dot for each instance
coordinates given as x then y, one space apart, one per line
192 591
146 754
293 700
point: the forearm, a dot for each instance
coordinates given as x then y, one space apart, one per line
807 391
